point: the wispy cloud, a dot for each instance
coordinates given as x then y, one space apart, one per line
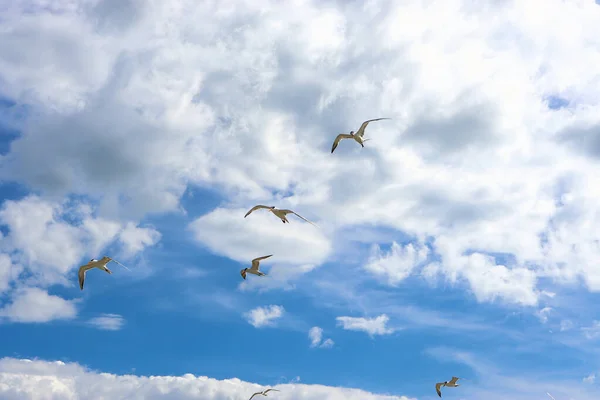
108 322
515 386
372 326
593 331
591 378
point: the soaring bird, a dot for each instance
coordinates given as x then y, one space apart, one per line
264 393
93 263
358 136
254 269
450 383
278 212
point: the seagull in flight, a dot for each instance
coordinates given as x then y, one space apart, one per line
254 269
450 383
278 212
264 393
358 136
100 264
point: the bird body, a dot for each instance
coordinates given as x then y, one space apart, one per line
450 383
280 213
93 263
255 267
358 136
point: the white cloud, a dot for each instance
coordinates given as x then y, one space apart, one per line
264 316
132 115
43 237
315 334
398 263
490 281
48 239
108 322
36 305
135 239
37 380
566 325
542 314
372 326
591 378
227 232
593 331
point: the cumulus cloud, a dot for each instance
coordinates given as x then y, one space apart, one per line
227 232
36 380
372 326
107 322
43 236
36 305
135 239
48 239
315 334
398 263
132 114
264 316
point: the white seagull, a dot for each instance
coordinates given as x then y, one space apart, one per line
278 212
450 383
100 264
264 393
358 136
550 396
254 269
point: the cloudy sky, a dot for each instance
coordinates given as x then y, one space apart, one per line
463 240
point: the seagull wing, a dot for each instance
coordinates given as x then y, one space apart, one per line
437 388
298 215
453 380
268 390
255 262
254 395
81 274
361 130
338 138
257 207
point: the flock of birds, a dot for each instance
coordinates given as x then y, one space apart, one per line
255 267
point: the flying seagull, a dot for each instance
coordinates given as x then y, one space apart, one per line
278 212
254 269
450 383
93 263
264 393
550 396
358 136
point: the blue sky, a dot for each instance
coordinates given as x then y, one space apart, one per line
461 241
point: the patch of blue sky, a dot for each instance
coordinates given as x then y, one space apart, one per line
556 102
